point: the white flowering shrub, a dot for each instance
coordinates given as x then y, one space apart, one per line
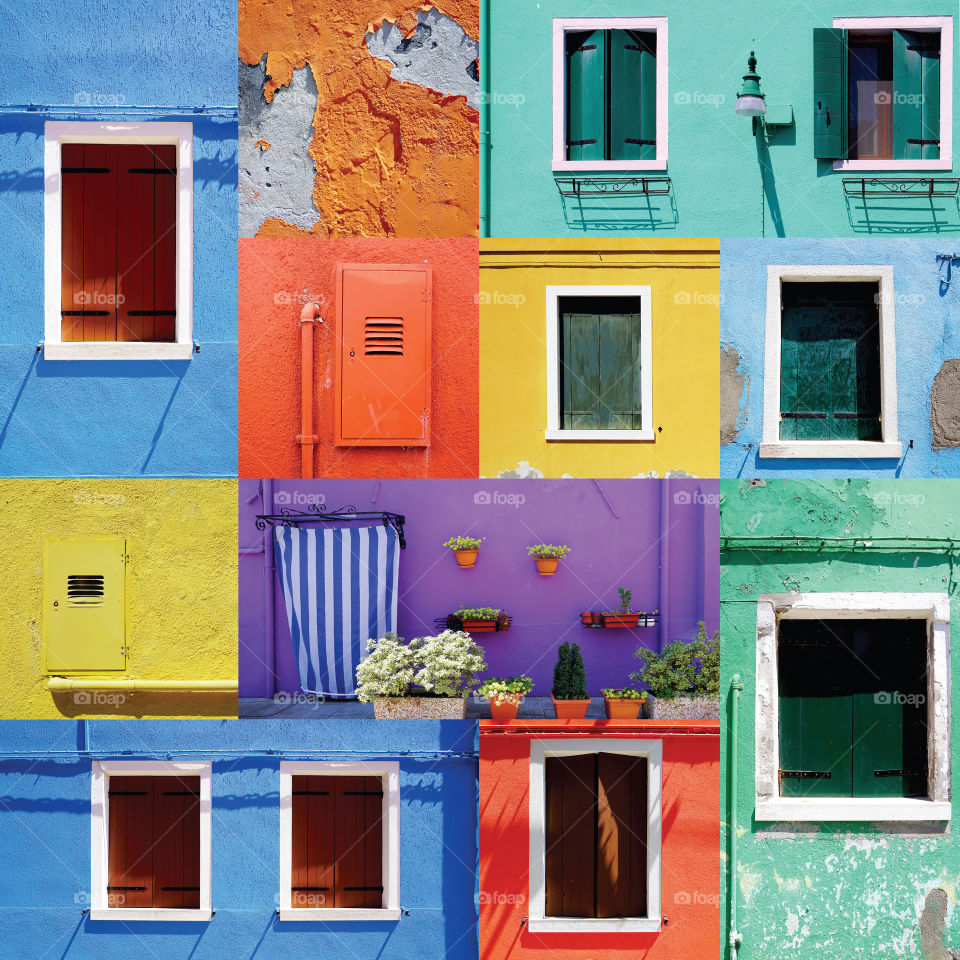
445 665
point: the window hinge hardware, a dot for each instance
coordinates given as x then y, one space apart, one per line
523 921
586 46
896 773
646 143
580 143
196 346
665 920
923 143
406 912
806 774
40 347
312 438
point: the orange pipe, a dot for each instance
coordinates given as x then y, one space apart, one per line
307 438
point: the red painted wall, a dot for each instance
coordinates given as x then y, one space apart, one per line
690 861
277 276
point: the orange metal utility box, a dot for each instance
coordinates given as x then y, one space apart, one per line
383 355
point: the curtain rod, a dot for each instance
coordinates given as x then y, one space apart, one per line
294 518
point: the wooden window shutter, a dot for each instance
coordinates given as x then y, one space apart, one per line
587 105
916 101
154 842
621 835
830 362
571 836
633 84
118 264
383 355
830 109
337 842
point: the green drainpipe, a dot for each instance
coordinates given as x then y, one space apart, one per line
736 687
484 118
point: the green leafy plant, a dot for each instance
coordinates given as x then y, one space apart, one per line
624 693
444 666
477 613
688 668
464 543
499 689
569 676
547 551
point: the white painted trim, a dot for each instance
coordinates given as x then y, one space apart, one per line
389 772
539 751
772 445
562 26
99 836
57 132
943 25
934 608
553 430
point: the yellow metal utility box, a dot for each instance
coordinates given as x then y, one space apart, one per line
84 604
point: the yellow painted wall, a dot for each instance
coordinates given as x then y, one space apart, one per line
685 279
181 590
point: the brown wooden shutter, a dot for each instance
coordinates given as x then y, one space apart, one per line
621 836
130 842
337 842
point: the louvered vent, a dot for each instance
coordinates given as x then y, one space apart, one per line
85 590
383 336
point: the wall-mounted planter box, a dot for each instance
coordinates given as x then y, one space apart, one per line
614 620
682 708
490 625
420 708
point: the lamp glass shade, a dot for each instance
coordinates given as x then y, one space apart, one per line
748 106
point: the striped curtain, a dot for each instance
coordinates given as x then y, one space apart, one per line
340 589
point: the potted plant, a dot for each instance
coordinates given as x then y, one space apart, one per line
547 557
623 616
505 696
479 619
569 690
465 549
623 703
684 680
427 678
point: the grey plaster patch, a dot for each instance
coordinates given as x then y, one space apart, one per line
523 471
945 406
438 55
932 926
734 393
276 180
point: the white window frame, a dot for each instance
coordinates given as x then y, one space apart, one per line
772 446
562 26
934 608
539 751
553 430
58 132
389 773
943 26
100 834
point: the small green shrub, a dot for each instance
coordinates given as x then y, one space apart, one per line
624 693
499 689
569 676
547 551
477 613
688 668
464 543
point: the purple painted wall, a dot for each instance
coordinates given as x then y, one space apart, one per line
613 527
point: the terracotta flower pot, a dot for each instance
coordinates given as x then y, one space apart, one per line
547 566
504 710
466 558
622 709
420 708
620 619
570 709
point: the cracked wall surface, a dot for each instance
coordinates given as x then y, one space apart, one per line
392 141
734 394
945 406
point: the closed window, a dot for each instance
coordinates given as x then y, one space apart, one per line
151 840
599 359
339 840
118 244
882 92
610 78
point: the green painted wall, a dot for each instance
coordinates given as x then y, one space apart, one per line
837 890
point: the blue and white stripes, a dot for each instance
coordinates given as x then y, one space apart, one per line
340 589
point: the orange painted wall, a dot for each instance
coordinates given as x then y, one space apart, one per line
690 853
392 159
276 278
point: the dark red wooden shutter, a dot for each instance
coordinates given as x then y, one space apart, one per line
176 838
130 842
621 836
313 859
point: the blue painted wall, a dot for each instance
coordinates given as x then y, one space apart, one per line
108 60
724 182
45 839
926 330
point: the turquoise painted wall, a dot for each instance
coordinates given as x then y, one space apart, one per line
714 162
846 890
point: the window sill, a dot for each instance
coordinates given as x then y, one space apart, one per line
148 913
590 925
827 449
873 809
602 166
944 163
117 351
354 914
599 435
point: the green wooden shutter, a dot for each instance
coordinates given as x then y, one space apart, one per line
916 95
620 394
830 110
633 81
586 95
580 371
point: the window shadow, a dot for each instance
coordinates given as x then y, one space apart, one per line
615 212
